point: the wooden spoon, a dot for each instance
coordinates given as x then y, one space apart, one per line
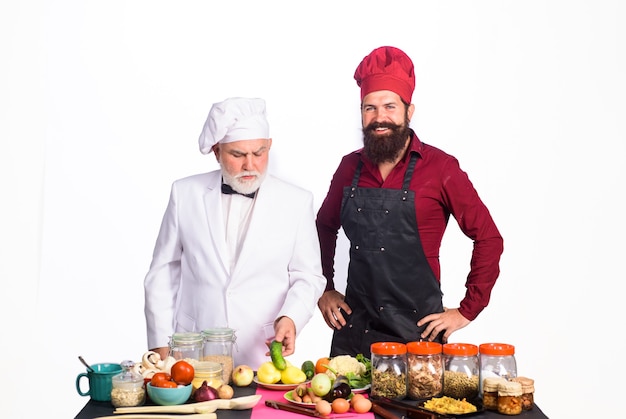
153 416
238 403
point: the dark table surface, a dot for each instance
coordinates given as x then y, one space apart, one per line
95 409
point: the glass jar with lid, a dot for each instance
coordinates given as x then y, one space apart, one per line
218 347
510 398
208 371
490 392
497 360
127 388
528 392
186 345
389 370
461 370
425 369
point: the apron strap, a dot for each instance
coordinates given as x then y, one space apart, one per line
409 173
357 175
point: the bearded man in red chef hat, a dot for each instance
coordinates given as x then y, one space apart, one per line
393 199
237 246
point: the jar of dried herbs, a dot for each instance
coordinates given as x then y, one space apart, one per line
389 370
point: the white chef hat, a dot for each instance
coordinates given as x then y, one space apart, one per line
234 119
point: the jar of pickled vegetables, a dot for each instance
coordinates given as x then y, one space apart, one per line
490 392
510 398
528 392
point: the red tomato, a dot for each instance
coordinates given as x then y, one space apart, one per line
159 378
168 384
182 372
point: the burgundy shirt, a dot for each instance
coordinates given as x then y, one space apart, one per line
441 189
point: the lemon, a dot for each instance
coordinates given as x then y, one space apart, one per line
268 373
292 375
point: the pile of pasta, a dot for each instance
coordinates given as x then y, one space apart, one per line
449 405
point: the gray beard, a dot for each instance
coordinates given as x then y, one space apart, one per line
243 187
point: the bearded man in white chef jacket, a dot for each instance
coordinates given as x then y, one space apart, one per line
237 247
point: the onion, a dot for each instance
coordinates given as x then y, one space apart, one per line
205 392
225 391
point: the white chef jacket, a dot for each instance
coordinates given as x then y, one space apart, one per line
191 286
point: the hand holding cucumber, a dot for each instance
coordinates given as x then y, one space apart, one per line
285 335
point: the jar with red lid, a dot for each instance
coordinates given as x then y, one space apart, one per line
461 371
497 360
389 370
425 369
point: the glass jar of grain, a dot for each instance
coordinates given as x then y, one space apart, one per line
127 387
389 370
218 347
461 371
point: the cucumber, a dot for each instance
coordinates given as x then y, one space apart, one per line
276 353
309 369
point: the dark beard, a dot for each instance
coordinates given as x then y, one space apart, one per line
385 148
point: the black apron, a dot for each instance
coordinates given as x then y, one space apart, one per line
390 284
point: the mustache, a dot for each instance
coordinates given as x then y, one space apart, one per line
249 173
375 125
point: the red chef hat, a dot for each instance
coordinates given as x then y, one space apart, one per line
386 68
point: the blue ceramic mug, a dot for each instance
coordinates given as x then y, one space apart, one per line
100 383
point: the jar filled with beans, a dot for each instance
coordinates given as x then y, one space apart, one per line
425 369
461 371
389 370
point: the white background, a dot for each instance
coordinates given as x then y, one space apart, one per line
102 103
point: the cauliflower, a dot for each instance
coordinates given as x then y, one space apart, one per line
345 365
